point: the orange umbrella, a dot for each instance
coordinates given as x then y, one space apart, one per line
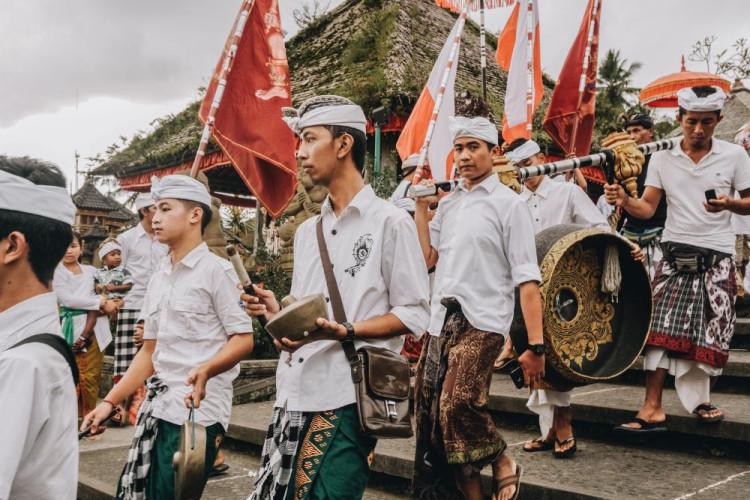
662 92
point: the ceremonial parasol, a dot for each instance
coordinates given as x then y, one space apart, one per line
662 92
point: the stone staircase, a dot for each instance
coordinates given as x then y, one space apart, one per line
691 460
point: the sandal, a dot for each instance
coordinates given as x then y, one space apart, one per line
645 427
502 363
565 453
499 485
218 470
539 444
704 409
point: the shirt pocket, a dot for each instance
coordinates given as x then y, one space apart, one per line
191 319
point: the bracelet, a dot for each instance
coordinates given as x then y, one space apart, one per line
105 400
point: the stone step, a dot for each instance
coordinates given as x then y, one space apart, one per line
599 470
741 339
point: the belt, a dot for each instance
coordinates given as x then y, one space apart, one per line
691 259
644 238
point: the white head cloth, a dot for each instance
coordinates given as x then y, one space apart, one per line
411 162
523 152
143 200
107 247
181 187
21 195
344 115
478 128
689 101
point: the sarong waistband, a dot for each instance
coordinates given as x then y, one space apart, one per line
691 259
646 237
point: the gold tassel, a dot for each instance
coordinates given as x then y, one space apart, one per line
612 274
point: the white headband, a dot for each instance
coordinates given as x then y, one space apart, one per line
108 247
181 187
344 115
143 200
478 128
523 152
21 195
410 162
689 101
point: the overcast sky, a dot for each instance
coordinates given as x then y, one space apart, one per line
78 74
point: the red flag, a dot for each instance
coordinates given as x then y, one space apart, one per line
574 97
248 124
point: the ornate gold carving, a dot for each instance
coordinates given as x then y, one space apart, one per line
628 160
506 172
570 267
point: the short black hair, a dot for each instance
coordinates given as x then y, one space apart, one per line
639 119
701 91
48 239
359 148
207 213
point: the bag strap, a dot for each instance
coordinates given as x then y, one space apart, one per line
57 343
339 314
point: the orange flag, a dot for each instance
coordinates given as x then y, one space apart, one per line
248 124
519 53
574 97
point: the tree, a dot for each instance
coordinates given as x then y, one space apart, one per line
615 91
732 65
309 14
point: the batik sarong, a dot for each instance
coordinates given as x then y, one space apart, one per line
454 425
694 313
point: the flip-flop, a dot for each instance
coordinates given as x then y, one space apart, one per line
646 427
544 445
707 408
218 470
567 453
502 363
499 485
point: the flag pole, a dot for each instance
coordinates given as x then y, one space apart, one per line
228 58
439 98
483 49
530 31
584 74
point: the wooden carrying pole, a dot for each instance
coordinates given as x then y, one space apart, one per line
228 58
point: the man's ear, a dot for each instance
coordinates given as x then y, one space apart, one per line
345 145
13 248
196 214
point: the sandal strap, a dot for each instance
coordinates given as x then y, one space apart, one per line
571 439
706 407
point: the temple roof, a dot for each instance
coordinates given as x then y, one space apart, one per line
90 198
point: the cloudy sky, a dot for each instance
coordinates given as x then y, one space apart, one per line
79 74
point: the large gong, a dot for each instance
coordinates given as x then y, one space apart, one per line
589 336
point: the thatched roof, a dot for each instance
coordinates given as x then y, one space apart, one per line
376 52
736 113
90 198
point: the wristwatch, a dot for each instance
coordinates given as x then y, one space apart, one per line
537 349
350 336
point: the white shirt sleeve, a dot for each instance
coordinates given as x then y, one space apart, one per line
68 297
742 171
148 314
584 210
520 245
227 304
124 241
405 274
296 276
653 177
19 388
436 225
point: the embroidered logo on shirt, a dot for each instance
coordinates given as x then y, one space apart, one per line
361 252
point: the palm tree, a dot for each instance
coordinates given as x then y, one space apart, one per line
615 90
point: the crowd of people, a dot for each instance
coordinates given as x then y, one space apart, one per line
441 272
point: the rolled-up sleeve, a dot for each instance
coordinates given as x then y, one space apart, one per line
405 274
520 245
653 177
226 297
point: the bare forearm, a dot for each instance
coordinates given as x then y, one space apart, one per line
140 369
380 327
235 350
531 306
422 221
740 207
639 208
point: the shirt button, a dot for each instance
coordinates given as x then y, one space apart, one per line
333 232
328 299
300 360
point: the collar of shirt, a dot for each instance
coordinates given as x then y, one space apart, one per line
361 202
35 315
191 259
488 185
716 148
543 190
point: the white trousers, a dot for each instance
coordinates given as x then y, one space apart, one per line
692 380
543 402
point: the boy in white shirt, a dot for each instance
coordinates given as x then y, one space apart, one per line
195 334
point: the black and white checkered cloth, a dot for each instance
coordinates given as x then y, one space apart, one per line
277 458
135 473
125 349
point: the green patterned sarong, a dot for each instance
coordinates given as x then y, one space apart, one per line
66 317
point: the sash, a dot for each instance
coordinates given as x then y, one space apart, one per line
66 317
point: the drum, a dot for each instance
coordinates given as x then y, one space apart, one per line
298 317
589 336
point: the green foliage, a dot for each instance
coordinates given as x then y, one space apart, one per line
615 92
270 273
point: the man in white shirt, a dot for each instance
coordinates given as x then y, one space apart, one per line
400 194
695 284
482 241
195 334
382 279
38 442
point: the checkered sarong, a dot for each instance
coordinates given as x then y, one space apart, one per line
125 349
277 458
694 313
135 473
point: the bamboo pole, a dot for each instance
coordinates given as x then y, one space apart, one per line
228 58
582 84
530 31
483 50
439 98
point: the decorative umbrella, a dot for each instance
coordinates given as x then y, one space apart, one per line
662 92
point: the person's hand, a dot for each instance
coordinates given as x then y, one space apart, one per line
198 377
94 420
98 289
109 307
637 253
426 202
719 204
82 343
327 330
110 287
138 335
615 195
263 303
533 367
